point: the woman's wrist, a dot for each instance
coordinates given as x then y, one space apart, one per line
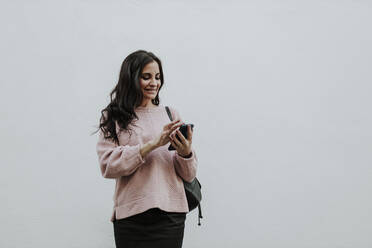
148 147
153 144
186 156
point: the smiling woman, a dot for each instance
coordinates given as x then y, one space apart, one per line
150 203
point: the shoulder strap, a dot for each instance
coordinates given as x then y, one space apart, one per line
169 113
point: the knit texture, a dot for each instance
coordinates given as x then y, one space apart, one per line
145 182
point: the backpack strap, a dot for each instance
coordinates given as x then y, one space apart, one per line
169 113
200 214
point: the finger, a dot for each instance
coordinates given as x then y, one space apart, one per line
189 133
173 144
172 128
175 127
178 124
175 140
172 133
170 124
183 139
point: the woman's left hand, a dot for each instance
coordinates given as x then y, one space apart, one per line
184 147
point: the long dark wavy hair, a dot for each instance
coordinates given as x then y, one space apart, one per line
127 94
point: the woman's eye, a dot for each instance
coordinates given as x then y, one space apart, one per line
147 78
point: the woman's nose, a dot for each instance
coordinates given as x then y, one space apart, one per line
153 84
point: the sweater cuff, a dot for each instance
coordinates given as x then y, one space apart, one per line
190 157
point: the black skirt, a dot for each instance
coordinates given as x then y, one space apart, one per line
152 228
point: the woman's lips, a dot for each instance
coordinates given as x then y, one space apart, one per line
152 91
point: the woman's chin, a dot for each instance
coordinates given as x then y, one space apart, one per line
152 96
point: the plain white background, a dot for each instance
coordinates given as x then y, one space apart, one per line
279 92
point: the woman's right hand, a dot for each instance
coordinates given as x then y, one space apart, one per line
163 138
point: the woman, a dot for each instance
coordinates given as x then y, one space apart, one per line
150 203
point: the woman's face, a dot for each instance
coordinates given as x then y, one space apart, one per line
150 81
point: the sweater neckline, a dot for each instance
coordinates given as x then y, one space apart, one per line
150 109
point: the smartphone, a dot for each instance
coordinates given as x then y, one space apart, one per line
183 130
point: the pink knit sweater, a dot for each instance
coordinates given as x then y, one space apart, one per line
145 182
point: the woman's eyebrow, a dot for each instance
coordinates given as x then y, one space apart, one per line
150 73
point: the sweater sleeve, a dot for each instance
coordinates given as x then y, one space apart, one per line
117 160
185 167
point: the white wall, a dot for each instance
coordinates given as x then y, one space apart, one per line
279 92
